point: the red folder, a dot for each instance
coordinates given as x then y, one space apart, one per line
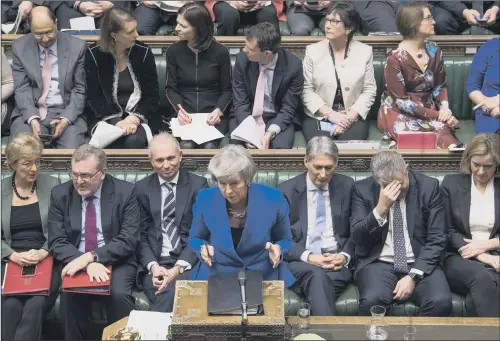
29 280
417 140
80 283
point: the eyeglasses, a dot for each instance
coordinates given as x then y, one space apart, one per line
333 22
83 176
45 34
429 17
29 165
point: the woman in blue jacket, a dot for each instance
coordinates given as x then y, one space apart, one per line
483 86
239 225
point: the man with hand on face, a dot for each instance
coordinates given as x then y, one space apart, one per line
165 201
320 207
399 228
49 82
94 222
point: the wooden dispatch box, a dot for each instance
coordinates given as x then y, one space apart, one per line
191 321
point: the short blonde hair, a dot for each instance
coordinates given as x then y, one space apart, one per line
24 145
231 162
481 144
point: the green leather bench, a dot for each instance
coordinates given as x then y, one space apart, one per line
346 305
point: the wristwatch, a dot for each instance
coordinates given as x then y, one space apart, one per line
94 255
415 277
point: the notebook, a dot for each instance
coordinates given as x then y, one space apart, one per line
80 283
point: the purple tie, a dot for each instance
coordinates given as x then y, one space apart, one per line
90 225
46 78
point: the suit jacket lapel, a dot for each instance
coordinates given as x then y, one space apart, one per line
464 199
6 208
35 57
252 222
107 196
181 195
43 201
279 69
62 60
75 216
155 203
411 205
496 226
223 227
335 205
302 208
254 77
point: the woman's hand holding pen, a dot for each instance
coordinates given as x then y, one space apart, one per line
183 116
207 254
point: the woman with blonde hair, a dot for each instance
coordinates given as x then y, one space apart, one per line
25 209
472 204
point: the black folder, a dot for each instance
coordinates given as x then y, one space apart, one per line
224 294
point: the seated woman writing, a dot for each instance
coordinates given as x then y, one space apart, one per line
239 225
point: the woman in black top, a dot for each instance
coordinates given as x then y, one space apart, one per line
198 72
25 208
122 83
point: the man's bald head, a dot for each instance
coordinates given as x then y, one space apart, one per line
43 25
165 155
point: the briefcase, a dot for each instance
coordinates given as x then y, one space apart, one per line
28 280
191 320
80 284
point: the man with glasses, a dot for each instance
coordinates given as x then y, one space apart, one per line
320 208
49 82
94 222
166 198
399 228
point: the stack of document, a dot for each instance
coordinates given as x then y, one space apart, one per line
150 325
198 130
248 132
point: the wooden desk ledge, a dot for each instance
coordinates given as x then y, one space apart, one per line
434 160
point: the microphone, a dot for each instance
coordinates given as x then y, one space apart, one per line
242 279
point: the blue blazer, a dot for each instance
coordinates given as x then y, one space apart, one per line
267 221
484 75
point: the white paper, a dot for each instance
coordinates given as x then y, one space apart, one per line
169 6
198 130
358 144
14 27
248 131
83 23
150 325
104 134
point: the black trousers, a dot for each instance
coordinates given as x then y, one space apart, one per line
357 131
228 18
448 24
302 24
483 283
321 288
380 16
149 20
164 302
139 140
376 282
22 316
75 308
222 127
284 140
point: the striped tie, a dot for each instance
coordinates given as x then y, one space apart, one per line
169 216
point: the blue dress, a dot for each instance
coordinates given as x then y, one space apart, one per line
484 75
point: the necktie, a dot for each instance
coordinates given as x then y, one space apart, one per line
258 103
400 261
90 225
46 79
169 216
320 222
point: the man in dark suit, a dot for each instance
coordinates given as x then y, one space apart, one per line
453 17
49 82
379 16
267 84
399 229
320 209
93 223
165 200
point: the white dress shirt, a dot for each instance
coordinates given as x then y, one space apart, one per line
97 205
167 247
387 254
482 211
328 240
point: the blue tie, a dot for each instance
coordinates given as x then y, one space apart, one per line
320 222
